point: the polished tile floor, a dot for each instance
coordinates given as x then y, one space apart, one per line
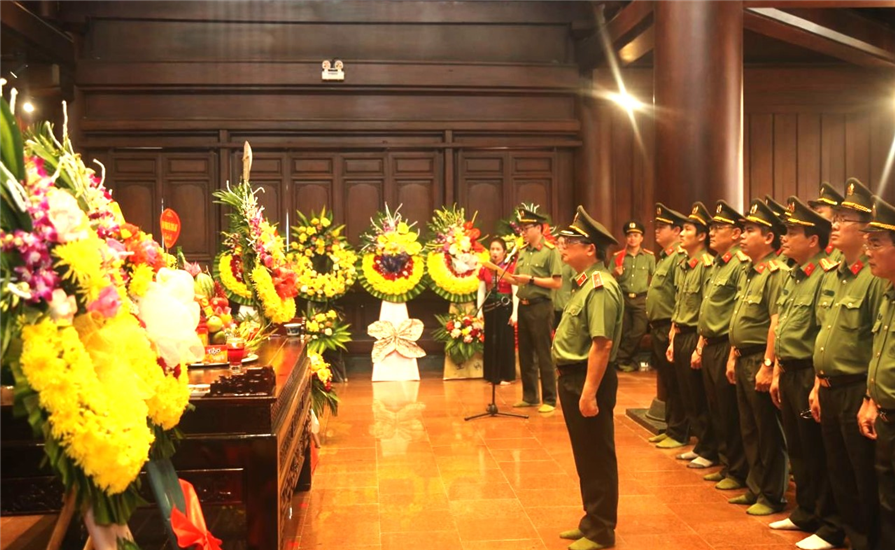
400 469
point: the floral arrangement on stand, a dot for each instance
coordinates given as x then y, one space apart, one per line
322 258
454 255
253 268
392 267
326 330
463 335
95 327
322 395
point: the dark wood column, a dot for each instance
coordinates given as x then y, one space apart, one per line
698 72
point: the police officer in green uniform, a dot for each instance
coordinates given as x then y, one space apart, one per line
781 213
633 268
751 362
713 347
683 337
660 300
824 205
807 235
561 295
847 311
583 350
877 416
538 272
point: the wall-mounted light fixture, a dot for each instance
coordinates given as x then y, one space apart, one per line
332 70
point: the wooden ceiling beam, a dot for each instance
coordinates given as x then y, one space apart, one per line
808 34
626 28
37 33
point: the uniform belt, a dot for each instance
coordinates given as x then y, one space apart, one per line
792 365
633 295
571 367
747 351
533 301
842 381
684 329
661 323
724 339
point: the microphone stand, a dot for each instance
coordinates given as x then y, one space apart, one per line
491 409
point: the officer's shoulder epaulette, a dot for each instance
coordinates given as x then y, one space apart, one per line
741 256
619 253
548 244
773 265
828 265
707 260
597 280
650 252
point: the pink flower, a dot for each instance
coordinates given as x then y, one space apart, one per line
66 216
62 307
107 304
193 268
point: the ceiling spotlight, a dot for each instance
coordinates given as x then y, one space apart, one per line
627 101
28 107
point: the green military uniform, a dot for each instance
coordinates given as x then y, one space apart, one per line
829 197
660 300
561 295
595 310
694 272
713 326
535 316
637 270
796 331
780 211
881 389
847 310
763 438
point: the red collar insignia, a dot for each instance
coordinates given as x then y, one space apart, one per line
761 267
809 268
779 251
693 263
580 279
829 249
726 258
856 267
597 280
669 251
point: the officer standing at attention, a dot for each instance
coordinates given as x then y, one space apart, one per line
751 362
807 235
633 269
659 306
847 311
713 347
583 350
824 205
877 416
538 272
683 337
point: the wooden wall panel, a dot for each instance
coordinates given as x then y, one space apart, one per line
857 146
832 166
365 198
135 198
761 157
808 155
785 144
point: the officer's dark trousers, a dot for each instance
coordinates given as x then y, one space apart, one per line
815 510
850 460
693 395
535 326
885 475
593 444
724 411
762 435
634 326
675 416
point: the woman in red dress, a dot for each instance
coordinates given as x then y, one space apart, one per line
499 306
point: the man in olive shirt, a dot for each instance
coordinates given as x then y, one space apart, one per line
633 267
583 349
824 204
683 337
713 347
660 300
847 310
751 362
807 236
538 272
877 416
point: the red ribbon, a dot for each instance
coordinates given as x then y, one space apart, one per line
190 529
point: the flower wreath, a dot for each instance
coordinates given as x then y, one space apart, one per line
257 258
454 255
462 333
392 268
322 257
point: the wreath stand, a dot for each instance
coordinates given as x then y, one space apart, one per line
395 367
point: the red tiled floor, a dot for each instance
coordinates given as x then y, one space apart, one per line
422 477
